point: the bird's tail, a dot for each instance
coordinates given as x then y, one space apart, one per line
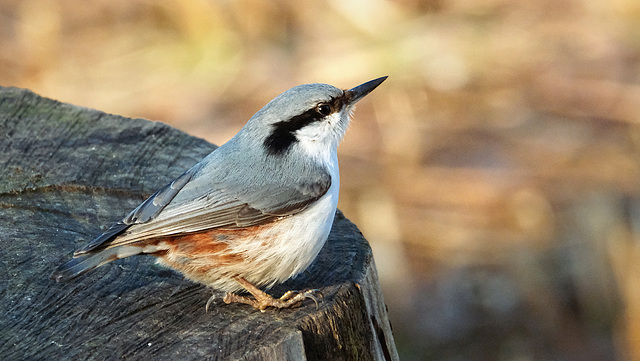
83 264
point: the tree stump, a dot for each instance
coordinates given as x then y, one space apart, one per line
68 172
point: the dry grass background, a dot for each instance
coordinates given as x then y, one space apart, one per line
495 173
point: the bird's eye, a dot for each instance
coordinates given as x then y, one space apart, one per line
323 109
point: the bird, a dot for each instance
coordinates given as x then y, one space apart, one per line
254 212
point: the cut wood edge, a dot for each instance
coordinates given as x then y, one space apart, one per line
383 346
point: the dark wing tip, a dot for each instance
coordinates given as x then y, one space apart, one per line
110 233
153 205
78 266
68 271
146 211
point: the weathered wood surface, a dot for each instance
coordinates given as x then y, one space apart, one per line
66 173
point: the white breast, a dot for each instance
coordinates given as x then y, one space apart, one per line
298 239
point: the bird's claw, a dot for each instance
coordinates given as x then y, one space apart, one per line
288 300
263 300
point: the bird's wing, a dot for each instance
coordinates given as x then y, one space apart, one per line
146 211
186 205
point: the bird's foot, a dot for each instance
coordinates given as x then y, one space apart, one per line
262 300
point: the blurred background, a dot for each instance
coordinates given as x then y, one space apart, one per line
495 173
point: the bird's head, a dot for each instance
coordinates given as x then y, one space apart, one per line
310 118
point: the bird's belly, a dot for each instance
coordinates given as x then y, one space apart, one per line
264 255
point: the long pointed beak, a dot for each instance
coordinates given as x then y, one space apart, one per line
356 93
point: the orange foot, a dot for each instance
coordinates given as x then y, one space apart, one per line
262 300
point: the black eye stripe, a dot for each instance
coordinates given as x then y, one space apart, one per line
298 122
338 102
282 137
282 133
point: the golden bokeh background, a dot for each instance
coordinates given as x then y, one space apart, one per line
496 173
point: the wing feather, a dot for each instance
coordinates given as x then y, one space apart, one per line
189 204
147 210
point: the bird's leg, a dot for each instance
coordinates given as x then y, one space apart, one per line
262 300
